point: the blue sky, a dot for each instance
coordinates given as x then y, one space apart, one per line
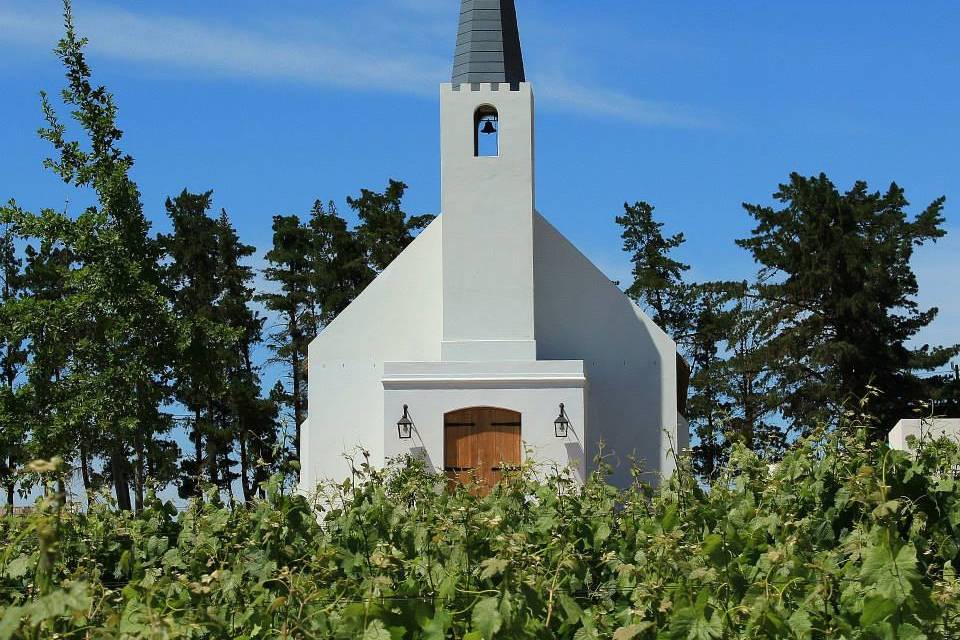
693 106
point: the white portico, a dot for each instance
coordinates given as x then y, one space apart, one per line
490 320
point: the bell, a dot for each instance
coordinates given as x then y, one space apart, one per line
488 127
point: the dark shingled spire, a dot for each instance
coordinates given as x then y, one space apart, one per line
488 43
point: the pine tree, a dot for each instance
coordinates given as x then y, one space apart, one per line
292 271
193 279
252 419
321 266
708 407
658 284
750 383
837 278
385 230
338 263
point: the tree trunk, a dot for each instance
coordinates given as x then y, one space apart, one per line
198 454
233 500
212 450
121 486
295 361
11 483
244 467
138 480
85 468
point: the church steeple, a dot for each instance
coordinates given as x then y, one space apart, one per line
488 43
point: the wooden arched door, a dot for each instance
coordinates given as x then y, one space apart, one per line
480 443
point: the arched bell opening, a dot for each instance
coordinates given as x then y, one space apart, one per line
486 132
480 444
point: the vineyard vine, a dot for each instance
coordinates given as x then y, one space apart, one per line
841 539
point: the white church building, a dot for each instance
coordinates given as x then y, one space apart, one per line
491 338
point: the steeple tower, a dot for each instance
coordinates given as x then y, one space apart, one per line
487 191
488 43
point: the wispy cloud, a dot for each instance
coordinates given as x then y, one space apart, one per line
396 52
599 101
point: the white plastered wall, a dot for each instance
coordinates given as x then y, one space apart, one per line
629 361
926 428
397 317
534 389
487 205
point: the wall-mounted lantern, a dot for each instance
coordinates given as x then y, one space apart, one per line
561 426
405 425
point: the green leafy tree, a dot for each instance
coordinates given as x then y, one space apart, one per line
836 277
13 359
110 375
46 393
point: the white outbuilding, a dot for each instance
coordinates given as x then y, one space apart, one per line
923 429
491 337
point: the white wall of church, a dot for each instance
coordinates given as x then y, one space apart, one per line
630 363
534 389
397 317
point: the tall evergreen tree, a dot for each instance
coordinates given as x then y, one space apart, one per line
291 270
231 426
320 266
836 274
719 331
708 407
748 374
384 229
658 284
252 419
339 266
193 277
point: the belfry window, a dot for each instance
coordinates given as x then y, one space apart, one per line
486 132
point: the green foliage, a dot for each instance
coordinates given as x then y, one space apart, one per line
721 331
657 277
96 319
837 280
320 265
214 378
385 229
840 539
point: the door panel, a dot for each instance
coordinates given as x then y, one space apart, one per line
480 443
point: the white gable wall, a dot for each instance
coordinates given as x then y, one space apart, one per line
398 317
630 363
